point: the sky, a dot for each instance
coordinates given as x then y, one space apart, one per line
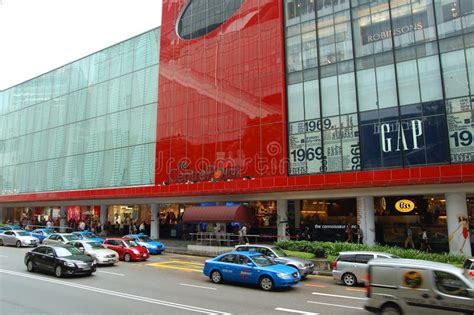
39 35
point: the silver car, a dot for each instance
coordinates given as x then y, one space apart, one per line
96 250
60 238
305 267
351 267
19 238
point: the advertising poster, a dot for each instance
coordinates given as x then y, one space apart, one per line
460 129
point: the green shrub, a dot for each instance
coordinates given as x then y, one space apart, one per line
331 249
301 255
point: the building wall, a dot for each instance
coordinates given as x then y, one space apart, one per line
376 84
88 124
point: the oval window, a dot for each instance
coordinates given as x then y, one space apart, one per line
200 17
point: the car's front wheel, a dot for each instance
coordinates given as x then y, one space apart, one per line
127 257
266 283
349 279
18 244
216 276
30 266
58 271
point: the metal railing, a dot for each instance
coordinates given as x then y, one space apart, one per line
222 239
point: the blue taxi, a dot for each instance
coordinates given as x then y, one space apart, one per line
154 247
88 236
41 234
250 268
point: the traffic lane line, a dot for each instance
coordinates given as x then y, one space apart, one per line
356 290
118 294
166 266
3 256
289 310
336 305
314 285
197 286
111 273
340 296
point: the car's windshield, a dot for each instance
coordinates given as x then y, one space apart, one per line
63 251
262 261
279 252
46 232
145 238
95 245
130 243
71 237
89 235
23 233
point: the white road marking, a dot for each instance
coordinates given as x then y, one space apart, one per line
112 273
3 256
119 294
197 286
281 309
336 305
340 296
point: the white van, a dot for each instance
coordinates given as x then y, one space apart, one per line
408 286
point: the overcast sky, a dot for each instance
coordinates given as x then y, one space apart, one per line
39 35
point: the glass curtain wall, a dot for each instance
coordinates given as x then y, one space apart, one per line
379 83
88 124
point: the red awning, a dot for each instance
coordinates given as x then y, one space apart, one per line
217 214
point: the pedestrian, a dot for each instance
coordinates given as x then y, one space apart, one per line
306 234
409 238
358 234
243 235
49 224
141 228
425 245
82 226
349 233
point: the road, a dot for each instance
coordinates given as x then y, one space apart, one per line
165 284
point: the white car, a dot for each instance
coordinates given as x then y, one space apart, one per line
19 238
94 249
60 238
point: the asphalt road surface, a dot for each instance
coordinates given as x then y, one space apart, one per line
165 284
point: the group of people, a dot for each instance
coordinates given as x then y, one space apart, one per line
424 241
354 234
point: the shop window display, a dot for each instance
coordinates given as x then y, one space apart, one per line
327 219
394 227
265 216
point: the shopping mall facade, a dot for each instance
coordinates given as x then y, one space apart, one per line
316 113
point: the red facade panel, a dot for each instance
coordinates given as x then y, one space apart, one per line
224 96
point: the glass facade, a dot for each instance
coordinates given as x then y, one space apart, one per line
88 124
379 83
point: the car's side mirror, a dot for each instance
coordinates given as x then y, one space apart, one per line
250 264
51 255
81 249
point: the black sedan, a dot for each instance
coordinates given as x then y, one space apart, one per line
61 259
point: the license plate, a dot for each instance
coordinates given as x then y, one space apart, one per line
144 255
86 268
